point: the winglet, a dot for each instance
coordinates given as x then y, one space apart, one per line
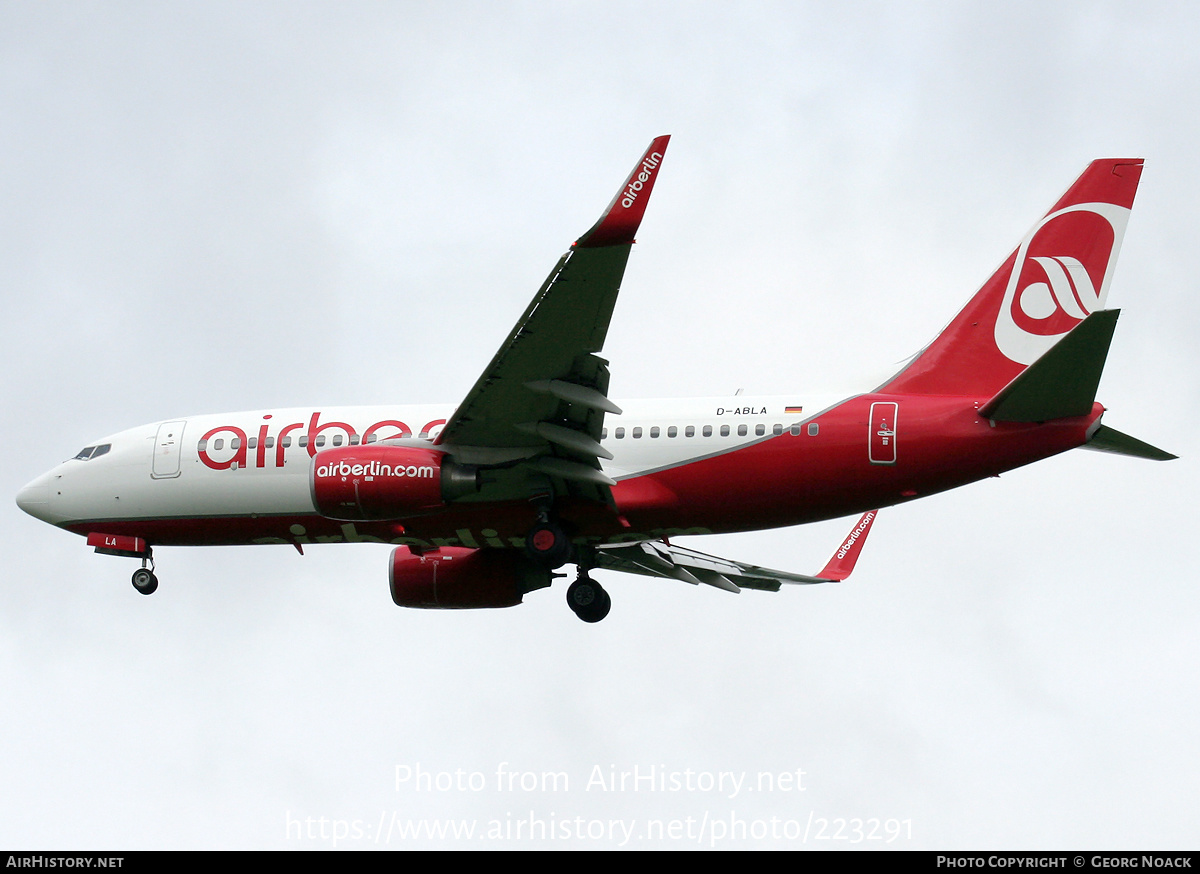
843 560
621 220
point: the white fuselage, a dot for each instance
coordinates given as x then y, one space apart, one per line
257 463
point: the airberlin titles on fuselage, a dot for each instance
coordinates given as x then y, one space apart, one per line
281 440
376 468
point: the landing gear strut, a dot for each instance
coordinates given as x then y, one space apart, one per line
588 599
144 579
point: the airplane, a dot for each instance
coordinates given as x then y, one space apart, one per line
537 467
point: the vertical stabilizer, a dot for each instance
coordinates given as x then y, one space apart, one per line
1057 276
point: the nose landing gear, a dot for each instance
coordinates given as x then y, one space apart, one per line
144 579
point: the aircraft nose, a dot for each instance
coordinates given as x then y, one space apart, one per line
34 499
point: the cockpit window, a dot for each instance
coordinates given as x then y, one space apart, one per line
93 451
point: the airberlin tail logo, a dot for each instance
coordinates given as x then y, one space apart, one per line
1060 276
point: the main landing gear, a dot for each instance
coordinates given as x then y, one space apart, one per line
587 599
144 579
548 545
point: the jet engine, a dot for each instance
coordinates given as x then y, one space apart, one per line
380 482
457 578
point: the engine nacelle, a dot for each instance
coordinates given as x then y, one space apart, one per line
457 578
381 482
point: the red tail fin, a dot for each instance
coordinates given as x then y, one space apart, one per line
1056 277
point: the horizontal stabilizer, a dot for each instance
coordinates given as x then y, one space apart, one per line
1063 381
1111 440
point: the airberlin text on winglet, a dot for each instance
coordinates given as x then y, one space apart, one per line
634 188
862 526
621 220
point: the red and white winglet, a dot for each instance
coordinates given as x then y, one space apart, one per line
621 220
843 560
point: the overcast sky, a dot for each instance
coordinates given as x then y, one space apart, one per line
226 206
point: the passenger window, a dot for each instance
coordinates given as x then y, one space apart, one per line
689 431
795 430
637 432
708 430
337 439
320 441
269 442
603 433
219 444
202 445
371 438
654 431
813 428
760 430
672 431
776 430
235 443
724 430
620 433
253 443
285 442
303 440
354 439
741 430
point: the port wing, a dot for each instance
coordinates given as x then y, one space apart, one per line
660 559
